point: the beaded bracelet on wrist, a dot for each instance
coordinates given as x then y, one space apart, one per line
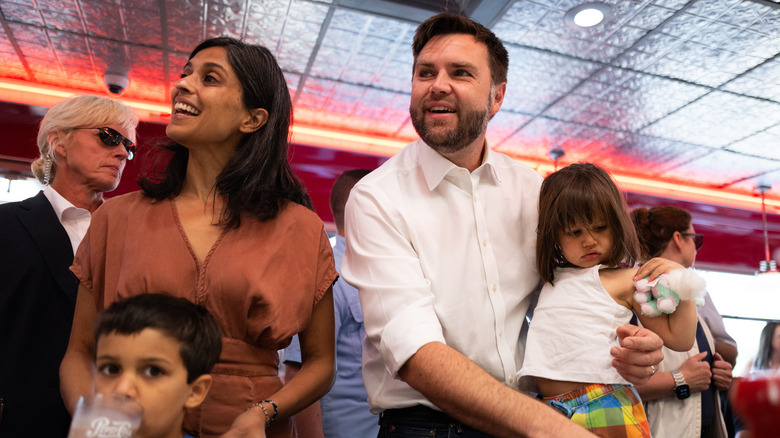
269 419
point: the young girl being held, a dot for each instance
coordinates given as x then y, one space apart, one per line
585 237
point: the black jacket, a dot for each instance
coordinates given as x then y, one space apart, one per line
37 299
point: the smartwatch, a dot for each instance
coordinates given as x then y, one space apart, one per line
681 389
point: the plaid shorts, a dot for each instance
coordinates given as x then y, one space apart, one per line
610 411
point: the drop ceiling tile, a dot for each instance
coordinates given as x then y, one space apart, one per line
770 178
292 81
75 44
22 14
63 21
744 13
503 125
650 17
144 26
721 169
704 31
711 9
761 144
312 11
105 19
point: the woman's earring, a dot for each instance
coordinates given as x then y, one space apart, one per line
47 164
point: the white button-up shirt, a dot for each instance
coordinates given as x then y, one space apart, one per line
440 254
75 220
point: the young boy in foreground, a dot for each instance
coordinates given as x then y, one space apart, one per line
157 350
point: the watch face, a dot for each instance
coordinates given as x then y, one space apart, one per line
682 392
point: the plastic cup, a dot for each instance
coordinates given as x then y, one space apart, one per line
105 416
757 401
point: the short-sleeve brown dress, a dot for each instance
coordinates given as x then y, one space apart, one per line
260 281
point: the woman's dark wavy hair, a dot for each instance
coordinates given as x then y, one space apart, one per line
765 352
655 227
258 178
581 193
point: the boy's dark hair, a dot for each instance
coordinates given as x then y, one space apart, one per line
448 23
581 193
656 226
191 325
258 178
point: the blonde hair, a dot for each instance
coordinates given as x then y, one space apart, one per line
78 112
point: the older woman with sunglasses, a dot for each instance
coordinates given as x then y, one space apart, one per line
683 398
228 225
84 143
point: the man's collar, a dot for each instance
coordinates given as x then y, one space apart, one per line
435 166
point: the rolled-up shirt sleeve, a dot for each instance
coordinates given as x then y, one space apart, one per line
381 262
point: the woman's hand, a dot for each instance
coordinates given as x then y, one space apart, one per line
638 353
250 424
722 373
697 373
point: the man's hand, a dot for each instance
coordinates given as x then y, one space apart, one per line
697 373
655 267
722 373
638 353
250 424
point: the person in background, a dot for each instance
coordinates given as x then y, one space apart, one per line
440 245
84 144
227 225
344 409
768 357
158 351
682 399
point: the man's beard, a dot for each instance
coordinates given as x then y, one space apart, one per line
471 125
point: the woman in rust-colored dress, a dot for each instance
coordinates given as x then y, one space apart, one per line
227 225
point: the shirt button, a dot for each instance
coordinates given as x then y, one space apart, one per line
484 242
475 198
493 287
500 333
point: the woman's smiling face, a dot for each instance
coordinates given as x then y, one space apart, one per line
207 102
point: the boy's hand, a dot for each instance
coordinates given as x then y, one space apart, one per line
638 355
250 424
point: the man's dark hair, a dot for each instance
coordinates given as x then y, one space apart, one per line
191 325
258 177
339 193
448 23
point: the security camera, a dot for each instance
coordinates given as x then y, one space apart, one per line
116 82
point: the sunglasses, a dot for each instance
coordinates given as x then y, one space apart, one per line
110 137
698 239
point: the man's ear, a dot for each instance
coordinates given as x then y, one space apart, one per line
498 97
256 120
198 390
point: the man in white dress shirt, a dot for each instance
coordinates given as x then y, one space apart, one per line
440 245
